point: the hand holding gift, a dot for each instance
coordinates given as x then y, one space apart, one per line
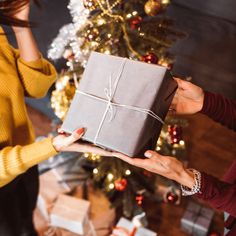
68 143
166 166
188 98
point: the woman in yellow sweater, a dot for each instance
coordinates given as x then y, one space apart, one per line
23 72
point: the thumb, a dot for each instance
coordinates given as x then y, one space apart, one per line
182 84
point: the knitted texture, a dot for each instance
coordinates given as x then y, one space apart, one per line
18 78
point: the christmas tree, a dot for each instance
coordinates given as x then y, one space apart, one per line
138 30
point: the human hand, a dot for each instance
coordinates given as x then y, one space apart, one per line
166 166
188 98
65 143
23 12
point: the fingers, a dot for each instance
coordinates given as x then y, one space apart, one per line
162 160
182 84
178 80
61 142
76 135
132 161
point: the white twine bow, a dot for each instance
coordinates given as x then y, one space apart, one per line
109 92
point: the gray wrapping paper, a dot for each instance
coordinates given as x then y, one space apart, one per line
196 219
140 84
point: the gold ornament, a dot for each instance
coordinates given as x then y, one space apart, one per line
90 4
61 97
152 7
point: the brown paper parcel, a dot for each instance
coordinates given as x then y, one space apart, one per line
111 99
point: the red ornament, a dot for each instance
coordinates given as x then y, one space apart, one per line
175 133
171 197
214 234
121 184
170 66
139 199
135 22
150 58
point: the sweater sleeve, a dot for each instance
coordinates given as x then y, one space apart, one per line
36 76
220 195
220 109
18 159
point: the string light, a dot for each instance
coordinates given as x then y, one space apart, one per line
181 142
86 154
128 172
110 176
95 171
111 186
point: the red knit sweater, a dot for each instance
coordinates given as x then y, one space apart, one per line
221 194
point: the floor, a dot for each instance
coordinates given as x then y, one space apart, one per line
211 148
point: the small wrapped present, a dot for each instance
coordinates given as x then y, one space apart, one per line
126 228
51 185
101 214
70 213
122 103
196 219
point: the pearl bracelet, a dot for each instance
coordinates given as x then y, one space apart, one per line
196 187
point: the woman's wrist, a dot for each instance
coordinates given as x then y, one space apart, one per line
20 30
26 43
186 178
192 184
201 99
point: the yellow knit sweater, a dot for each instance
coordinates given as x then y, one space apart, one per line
18 151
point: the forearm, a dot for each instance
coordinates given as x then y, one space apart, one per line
16 160
220 109
26 43
185 178
218 194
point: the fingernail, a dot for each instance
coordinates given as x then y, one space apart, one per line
148 154
80 131
60 131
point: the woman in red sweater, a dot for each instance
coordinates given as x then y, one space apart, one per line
190 99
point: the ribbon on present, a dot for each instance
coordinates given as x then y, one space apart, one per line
123 231
109 92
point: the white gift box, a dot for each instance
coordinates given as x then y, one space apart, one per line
50 188
126 228
70 213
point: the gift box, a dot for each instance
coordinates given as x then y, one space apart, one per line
125 227
51 185
101 214
122 103
196 219
70 213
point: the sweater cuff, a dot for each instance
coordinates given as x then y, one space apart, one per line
36 65
37 152
207 103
